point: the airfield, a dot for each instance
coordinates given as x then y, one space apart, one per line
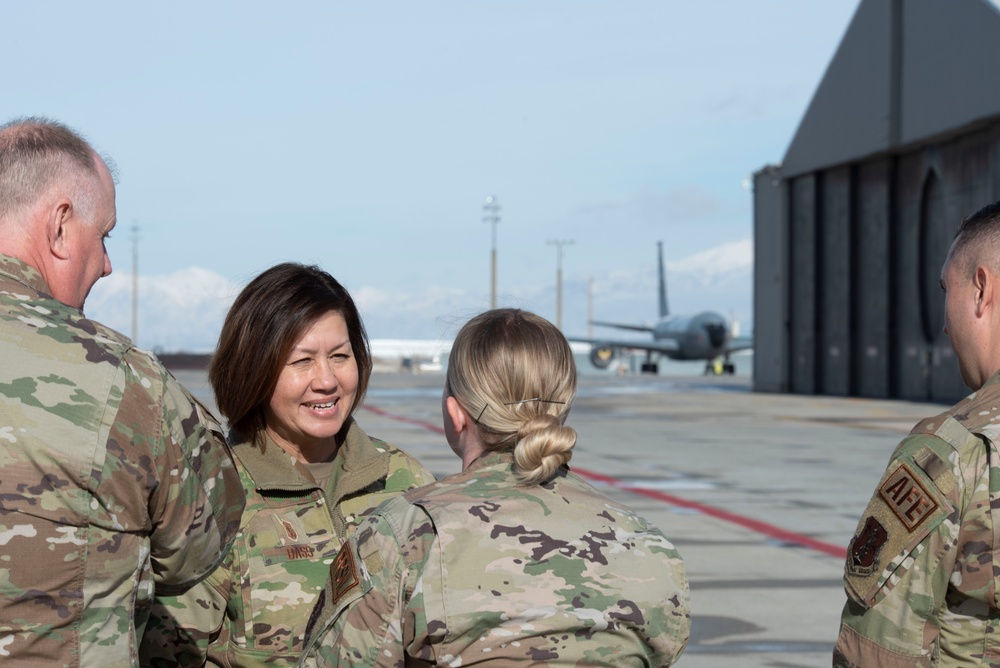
760 492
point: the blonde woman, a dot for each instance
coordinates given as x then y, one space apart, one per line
515 559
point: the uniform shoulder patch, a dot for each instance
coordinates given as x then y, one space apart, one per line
907 497
343 574
862 558
905 508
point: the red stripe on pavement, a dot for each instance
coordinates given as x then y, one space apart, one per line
763 528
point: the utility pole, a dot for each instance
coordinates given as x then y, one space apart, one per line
559 243
135 282
492 209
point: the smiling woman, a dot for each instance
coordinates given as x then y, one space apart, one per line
291 367
315 391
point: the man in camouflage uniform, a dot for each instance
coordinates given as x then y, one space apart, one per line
114 480
923 568
478 568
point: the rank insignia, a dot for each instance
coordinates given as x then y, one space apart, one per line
343 574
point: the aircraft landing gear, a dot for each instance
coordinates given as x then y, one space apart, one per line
650 367
719 367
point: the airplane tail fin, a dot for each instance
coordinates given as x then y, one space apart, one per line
664 311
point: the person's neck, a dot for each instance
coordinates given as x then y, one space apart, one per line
471 452
312 453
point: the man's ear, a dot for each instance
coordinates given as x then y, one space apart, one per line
985 283
58 229
459 417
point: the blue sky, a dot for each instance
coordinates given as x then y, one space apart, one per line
364 137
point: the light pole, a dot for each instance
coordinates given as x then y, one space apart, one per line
559 243
492 209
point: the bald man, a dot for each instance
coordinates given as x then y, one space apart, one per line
923 569
113 479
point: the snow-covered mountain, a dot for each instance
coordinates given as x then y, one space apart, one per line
184 310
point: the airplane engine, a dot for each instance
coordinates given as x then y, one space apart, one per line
716 334
602 356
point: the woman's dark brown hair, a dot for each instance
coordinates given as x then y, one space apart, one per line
263 324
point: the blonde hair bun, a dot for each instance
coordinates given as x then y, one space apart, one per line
544 444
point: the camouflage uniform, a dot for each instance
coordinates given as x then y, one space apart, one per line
478 569
253 609
113 479
923 568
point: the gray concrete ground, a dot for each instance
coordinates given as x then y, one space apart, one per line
806 465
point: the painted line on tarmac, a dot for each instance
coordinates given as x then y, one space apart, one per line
763 528
769 530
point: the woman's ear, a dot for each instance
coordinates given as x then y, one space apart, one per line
459 417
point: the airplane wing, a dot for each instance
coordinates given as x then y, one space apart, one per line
616 325
739 343
662 346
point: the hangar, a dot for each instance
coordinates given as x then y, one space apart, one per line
900 142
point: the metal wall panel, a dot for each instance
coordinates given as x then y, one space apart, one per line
770 296
833 316
910 349
949 76
870 299
802 283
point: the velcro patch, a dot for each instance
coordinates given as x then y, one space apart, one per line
290 529
277 555
904 509
907 497
862 557
343 574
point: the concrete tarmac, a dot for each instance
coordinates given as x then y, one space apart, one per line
761 493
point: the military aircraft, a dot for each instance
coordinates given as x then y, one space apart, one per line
702 336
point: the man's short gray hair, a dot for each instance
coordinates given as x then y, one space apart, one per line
36 154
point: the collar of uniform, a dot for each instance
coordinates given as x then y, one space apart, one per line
363 462
23 273
492 458
992 380
272 468
497 459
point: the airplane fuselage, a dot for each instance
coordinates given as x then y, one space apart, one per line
703 336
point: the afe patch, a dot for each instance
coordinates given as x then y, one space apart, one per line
343 574
862 554
907 497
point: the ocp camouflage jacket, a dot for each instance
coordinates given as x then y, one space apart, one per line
478 569
113 479
253 610
923 568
